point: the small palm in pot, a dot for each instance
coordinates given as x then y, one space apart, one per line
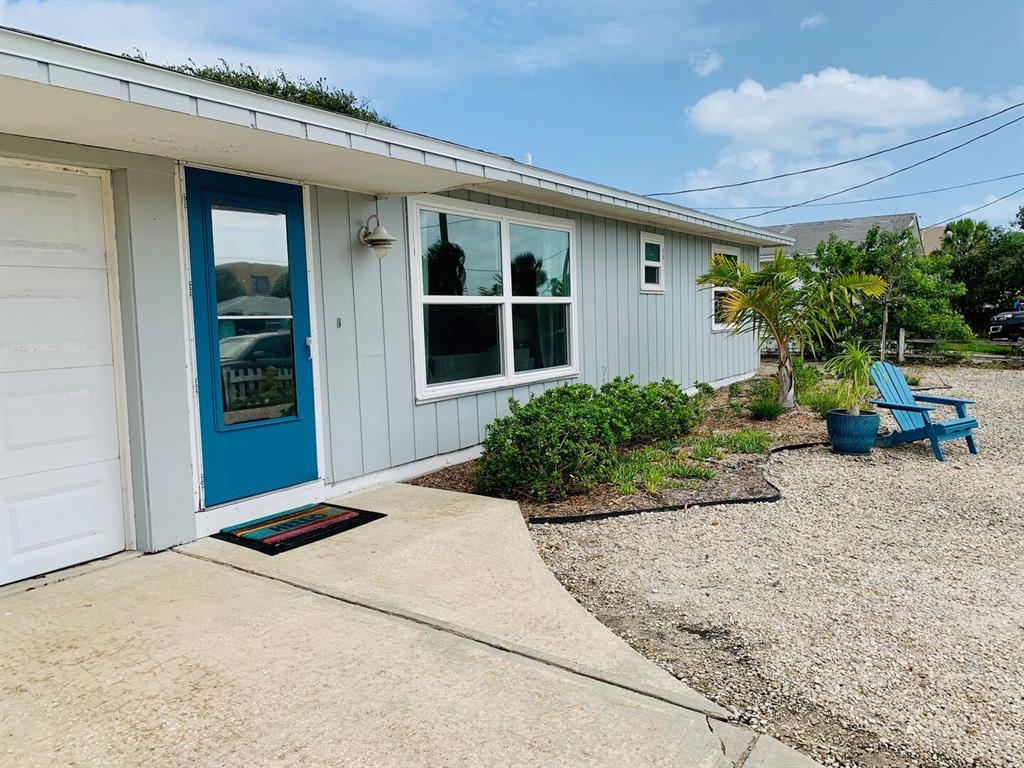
853 428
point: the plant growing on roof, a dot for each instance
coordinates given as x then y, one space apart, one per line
788 301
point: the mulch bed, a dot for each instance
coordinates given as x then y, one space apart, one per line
737 476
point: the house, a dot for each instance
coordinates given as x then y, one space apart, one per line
931 237
196 334
807 234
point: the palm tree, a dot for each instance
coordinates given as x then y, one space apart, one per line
788 301
965 237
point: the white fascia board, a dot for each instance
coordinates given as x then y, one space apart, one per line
53 62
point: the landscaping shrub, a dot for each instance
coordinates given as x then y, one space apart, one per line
565 441
822 399
765 410
556 444
659 410
913 380
807 376
764 389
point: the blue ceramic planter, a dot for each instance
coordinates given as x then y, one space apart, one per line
850 434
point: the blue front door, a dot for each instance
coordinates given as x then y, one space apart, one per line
253 354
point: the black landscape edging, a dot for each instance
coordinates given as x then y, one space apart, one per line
591 516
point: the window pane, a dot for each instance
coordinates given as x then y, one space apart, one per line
463 342
540 333
257 369
461 255
652 251
540 261
719 307
652 275
250 257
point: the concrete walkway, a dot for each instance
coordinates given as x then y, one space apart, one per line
435 636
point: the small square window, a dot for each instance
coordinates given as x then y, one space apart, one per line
652 263
718 314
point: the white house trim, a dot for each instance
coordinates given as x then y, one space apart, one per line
56 63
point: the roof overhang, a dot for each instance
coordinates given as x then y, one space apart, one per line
58 91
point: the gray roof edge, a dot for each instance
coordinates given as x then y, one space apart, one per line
51 51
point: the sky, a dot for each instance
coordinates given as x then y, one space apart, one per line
643 96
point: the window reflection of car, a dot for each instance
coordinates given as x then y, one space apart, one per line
257 350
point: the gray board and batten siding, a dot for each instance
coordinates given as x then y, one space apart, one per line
373 420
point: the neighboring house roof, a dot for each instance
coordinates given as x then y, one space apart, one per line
931 237
76 94
807 234
255 305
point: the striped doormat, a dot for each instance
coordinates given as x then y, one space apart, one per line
296 527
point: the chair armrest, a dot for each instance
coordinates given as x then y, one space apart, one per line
941 400
902 406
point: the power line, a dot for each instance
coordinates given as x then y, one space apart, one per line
841 162
886 176
866 199
986 205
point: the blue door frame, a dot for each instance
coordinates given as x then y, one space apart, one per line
257 421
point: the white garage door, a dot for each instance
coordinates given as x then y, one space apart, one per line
60 476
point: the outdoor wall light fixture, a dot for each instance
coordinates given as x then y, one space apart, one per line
378 238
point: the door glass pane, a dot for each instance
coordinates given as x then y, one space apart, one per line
652 252
250 256
540 261
254 315
463 341
540 334
461 255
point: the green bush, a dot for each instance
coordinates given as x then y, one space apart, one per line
807 376
765 410
556 444
822 399
913 380
566 440
764 389
659 410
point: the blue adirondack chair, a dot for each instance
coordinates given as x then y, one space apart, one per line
914 419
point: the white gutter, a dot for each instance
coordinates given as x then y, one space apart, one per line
53 62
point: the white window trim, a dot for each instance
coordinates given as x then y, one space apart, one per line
504 216
727 250
659 240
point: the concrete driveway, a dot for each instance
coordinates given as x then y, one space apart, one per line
432 637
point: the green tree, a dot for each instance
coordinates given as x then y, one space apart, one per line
282 288
990 264
919 291
228 286
791 301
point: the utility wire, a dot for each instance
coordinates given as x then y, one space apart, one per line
841 162
986 205
863 200
886 176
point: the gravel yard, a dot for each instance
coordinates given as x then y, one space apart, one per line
873 617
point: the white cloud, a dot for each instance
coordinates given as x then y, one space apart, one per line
810 22
705 62
834 104
373 47
818 119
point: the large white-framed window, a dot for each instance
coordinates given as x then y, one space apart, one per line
493 297
652 263
718 295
